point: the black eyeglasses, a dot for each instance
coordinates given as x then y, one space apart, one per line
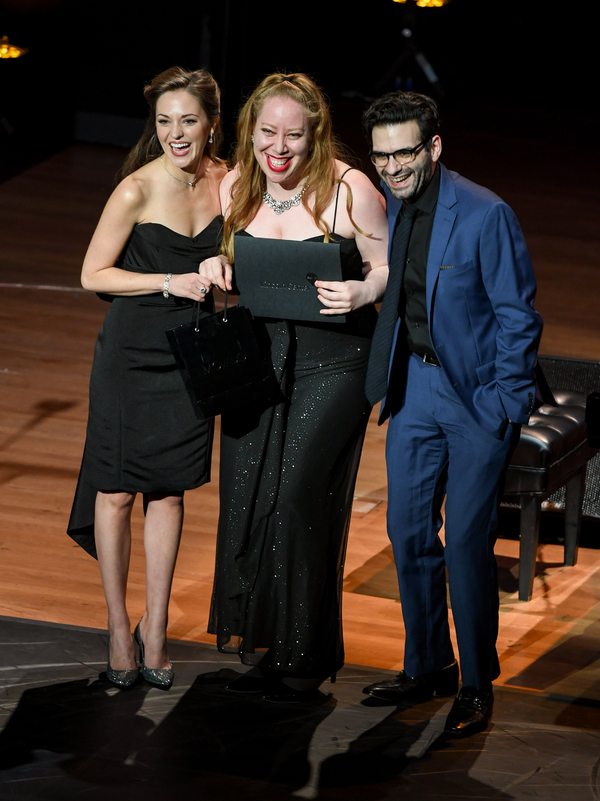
402 157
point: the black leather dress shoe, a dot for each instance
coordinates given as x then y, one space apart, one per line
470 713
414 689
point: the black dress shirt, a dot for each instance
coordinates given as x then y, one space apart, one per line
413 303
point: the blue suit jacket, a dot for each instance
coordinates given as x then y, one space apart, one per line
480 290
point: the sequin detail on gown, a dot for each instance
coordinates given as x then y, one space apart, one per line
286 484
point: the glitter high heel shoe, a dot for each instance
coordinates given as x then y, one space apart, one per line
122 678
161 677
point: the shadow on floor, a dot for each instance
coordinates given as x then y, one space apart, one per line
69 734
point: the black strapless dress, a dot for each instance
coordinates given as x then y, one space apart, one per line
287 480
143 434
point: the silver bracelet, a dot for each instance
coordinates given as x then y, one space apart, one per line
168 277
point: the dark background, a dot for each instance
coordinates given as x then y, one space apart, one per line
514 67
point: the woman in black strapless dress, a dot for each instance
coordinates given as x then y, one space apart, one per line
288 472
160 223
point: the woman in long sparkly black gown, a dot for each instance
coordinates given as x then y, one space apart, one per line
288 471
160 223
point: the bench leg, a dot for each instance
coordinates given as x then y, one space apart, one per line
575 490
531 510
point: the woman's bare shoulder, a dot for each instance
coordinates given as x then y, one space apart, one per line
137 187
225 189
352 175
363 189
229 179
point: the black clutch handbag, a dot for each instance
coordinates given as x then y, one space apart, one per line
221 362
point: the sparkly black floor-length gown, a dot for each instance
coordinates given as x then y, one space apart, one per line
287 479
143 434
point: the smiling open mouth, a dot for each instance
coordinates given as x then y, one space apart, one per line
278 165
398 180
179 148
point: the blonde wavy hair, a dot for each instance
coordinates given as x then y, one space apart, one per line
249 186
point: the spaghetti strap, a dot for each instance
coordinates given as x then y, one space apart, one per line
337 194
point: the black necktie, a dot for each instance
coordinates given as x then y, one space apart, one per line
381 346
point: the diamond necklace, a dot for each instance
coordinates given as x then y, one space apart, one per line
187 183
279 206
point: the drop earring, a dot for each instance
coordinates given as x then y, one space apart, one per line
210 138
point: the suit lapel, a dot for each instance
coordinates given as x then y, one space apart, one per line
443 223
393 206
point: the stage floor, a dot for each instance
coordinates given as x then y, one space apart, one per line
69 734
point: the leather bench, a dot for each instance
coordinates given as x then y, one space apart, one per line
552 452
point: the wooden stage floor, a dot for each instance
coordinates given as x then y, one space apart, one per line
49 325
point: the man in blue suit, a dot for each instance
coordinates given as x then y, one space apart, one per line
453 358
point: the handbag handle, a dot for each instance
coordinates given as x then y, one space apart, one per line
197 326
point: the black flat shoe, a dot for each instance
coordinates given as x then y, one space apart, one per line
287 695
415 689
470 713
247 685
